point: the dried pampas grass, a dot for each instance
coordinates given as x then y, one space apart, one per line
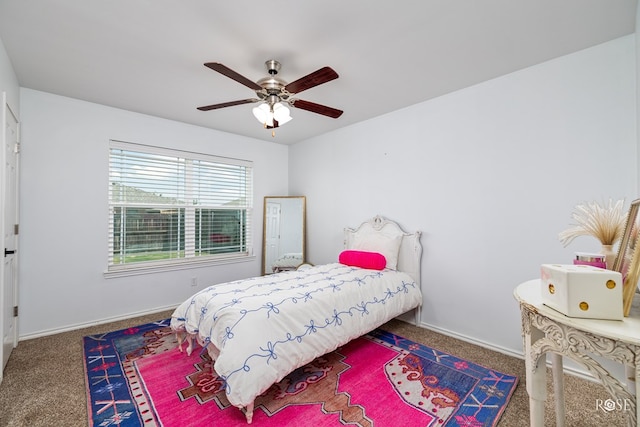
604 222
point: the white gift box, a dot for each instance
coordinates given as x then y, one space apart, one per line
582 291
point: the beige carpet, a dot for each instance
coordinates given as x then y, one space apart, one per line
44 380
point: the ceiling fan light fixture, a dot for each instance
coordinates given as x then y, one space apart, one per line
265 114
281 113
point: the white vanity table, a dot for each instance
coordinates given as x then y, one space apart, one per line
546 330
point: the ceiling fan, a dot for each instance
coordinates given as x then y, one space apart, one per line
274 94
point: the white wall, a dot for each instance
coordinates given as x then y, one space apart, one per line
8 80
63 229
638 85
489 174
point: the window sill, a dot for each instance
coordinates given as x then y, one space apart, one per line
135 270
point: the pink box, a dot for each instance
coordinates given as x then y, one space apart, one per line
598 264
595 260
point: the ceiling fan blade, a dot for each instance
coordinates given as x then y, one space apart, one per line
227 104
226 71
323 75
317 108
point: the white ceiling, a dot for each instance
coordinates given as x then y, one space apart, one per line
147 55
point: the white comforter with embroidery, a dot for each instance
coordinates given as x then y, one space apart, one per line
265 327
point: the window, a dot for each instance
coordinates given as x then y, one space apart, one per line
169 207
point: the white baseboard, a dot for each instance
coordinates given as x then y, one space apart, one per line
68 328
577 372
471 340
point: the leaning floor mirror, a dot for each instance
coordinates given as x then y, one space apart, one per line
284 233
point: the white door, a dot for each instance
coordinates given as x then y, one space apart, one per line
272 235
9 226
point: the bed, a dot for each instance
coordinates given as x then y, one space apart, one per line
288 261
260 329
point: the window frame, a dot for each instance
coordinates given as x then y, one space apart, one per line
193 260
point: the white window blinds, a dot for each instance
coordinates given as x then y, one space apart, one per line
168 206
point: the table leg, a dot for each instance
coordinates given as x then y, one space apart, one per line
636 375
536 378
630 373
558 387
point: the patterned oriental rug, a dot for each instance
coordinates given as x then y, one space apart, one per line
138 377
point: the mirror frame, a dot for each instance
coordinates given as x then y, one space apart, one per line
264 228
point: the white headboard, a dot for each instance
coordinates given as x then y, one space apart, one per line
410 252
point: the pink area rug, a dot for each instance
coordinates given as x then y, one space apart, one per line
137 377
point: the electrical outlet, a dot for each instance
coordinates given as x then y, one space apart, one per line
194 281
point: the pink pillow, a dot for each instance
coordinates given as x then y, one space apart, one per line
363 259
